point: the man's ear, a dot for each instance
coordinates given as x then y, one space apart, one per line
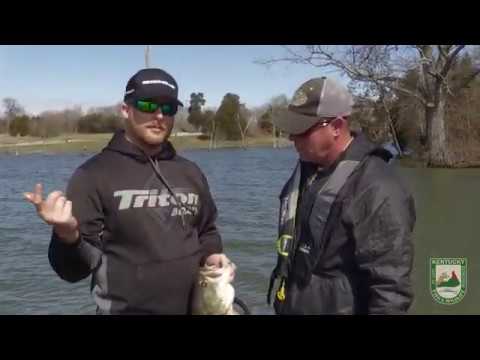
124 110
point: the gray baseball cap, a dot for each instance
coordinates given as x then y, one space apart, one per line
315 99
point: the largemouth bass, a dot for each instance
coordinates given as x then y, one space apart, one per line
214 293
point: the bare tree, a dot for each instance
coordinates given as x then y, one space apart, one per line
259 125
181 123
244 119
389 120
71 117
212 124
51 123
106 110
384 66
278 104
11 109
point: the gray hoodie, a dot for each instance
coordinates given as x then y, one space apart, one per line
146 226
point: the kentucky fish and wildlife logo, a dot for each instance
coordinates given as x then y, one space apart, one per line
448 280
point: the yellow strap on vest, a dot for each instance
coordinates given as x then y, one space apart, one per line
281 292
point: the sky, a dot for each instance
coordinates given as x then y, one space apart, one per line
55 77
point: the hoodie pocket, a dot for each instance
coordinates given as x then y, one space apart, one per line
154 287
143 236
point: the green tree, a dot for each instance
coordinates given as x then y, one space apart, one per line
211 128
265 122
226 117
196 116
19 125
209 117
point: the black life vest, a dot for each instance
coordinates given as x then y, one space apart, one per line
287 244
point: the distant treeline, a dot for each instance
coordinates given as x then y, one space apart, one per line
54 123
231 121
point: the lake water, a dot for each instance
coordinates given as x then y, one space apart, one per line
245 185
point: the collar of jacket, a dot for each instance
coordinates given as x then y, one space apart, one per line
120 144
356 151
361 147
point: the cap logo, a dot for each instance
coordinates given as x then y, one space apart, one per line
129 91
148 82
299 98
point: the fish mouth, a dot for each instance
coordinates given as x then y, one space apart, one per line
212 273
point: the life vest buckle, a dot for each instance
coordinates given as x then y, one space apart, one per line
283 245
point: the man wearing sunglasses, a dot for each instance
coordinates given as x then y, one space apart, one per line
137 217
346 220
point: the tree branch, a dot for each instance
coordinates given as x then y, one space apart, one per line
442 51
358 66
405 91
426 64
450 60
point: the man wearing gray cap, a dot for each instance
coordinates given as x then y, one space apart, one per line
346 220
137 217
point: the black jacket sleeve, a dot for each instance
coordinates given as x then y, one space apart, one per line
384 222
209 237
76 262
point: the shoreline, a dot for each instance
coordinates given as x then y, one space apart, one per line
88 144
93 143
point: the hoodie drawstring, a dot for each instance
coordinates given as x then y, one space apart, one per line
180 205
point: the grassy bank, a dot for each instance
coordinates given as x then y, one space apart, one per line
55 145
91 143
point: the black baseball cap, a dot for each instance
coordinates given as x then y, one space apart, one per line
152 84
